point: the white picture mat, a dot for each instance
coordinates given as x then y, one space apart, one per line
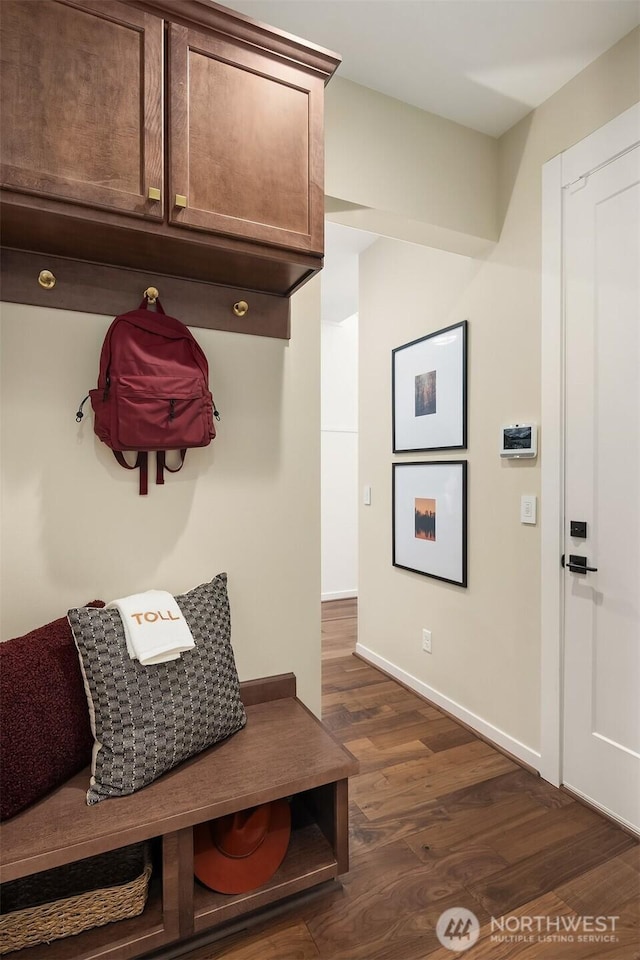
444 484
444 428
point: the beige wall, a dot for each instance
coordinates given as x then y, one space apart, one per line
486 639
401 172
74 527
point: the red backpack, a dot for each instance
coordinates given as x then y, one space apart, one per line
153 391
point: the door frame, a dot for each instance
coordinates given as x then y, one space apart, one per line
604 145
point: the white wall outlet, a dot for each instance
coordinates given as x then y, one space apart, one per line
366 496
528 509
426 641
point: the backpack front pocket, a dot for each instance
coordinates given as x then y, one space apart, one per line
159 413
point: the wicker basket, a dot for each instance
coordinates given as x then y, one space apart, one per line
67 900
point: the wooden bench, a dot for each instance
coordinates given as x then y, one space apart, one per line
283 751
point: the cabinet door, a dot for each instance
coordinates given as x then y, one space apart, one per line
82 103
245 143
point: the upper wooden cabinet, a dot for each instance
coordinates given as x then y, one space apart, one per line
82 103
173 136
240 128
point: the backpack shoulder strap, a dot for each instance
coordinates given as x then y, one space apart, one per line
161 464
142 461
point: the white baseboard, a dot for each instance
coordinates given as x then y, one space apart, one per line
633 828
494 734
340 595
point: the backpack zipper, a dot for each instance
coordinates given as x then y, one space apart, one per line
172 409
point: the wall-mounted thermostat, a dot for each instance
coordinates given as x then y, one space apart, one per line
519 440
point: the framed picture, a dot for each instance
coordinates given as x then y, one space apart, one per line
430 519
429 392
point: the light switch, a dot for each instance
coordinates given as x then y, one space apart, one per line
367 496
528 509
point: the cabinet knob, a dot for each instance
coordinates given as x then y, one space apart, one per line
240 308
180 201
46 279
154 193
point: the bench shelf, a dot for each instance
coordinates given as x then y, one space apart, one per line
283 751
309 861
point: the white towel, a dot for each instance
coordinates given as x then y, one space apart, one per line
154 627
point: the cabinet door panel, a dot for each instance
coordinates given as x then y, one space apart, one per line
82 103
245 143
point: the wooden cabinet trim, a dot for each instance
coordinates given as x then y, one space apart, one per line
230 23
63 229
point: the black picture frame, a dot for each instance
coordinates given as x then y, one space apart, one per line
429 391
429 519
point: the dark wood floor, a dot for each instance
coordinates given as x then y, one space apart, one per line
440 819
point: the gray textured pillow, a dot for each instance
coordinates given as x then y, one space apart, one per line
145 720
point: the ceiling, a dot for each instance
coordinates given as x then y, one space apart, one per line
482 63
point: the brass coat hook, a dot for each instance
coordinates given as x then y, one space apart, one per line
47 279
151 294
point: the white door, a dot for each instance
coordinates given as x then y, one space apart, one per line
601 267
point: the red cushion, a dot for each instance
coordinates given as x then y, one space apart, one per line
45 736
